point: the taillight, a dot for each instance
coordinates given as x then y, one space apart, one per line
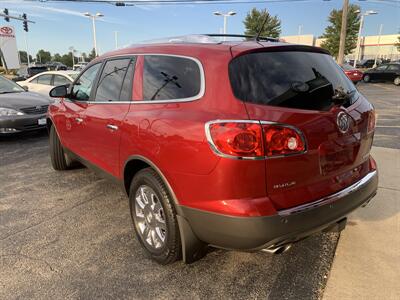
253 139
371 121
282 140
236 138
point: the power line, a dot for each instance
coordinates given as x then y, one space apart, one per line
187 2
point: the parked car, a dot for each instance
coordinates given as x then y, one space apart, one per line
388 72
56 66
24 72
367 63
79 66
354 75
44 82
20 110
247 145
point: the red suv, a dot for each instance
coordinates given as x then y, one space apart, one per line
245 145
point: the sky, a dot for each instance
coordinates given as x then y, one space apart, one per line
62 25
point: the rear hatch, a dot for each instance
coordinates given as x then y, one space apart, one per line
308 91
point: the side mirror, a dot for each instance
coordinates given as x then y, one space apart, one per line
25 88
60 91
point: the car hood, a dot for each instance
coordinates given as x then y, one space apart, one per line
22 99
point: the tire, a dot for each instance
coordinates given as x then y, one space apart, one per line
155 222
367 78
396 81
59 160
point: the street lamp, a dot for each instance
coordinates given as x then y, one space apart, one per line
72 49
229 14
367 13
93 18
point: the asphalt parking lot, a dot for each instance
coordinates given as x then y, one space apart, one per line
69 235
386 99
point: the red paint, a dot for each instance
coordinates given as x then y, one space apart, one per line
172 136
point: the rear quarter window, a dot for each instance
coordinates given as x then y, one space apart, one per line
170 78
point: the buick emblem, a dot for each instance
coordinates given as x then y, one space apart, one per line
38 107
343 122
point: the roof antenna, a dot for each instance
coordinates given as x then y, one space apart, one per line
257 38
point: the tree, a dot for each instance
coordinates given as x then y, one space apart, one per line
23 58
43 56
332 32
398 43
92 54
254 20
57 57
84 56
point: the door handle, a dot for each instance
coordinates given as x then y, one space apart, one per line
78 120
112 127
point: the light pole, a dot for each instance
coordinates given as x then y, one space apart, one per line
72 49
93 18
116 39
228 14
379 44
367 13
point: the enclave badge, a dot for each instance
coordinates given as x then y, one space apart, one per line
343 122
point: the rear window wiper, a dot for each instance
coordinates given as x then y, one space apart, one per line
341 97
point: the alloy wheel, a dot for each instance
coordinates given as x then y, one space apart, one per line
150 218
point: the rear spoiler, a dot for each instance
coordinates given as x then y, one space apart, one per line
283 47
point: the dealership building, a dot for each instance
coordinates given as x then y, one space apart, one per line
371 46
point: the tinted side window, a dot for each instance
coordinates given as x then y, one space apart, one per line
60 80
393 68
381 68
126 90
82 88
111 79
170 78
44 79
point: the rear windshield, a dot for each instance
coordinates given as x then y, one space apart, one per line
304 80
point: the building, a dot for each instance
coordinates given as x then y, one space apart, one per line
371 46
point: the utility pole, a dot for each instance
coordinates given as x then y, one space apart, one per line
27 49
343 30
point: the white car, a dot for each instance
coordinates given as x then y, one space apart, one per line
43 82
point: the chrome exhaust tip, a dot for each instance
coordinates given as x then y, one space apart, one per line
277 250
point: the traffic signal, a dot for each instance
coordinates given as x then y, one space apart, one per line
25 22
5 11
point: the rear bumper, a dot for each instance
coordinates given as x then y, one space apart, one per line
21 123
290 225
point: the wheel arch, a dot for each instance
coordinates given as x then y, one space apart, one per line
49 123
134 164
192 248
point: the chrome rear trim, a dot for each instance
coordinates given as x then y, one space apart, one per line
329 199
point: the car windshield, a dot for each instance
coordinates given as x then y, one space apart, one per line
73 75
8 86
293 79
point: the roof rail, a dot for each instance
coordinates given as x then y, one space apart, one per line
249 37
210 38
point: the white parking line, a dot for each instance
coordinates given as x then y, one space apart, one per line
385 87
388 126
